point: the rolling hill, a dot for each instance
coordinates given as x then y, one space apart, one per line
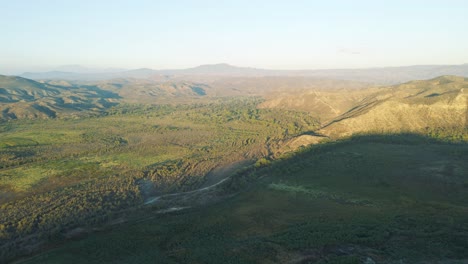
423 106
177 89
320 102
24 98
440 103
133 90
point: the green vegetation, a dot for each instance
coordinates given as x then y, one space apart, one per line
59 174
387 198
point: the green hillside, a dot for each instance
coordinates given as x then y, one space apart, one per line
373 199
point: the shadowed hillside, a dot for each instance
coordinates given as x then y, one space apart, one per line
369 199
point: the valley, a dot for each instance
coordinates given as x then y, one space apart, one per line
239 169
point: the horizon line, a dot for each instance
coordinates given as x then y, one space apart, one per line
116 69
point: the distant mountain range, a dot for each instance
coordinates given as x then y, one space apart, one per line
386 75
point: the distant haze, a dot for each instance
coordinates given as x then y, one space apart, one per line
386 75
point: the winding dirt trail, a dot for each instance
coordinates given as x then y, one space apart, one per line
154 199
214 178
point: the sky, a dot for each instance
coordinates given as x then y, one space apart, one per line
40 35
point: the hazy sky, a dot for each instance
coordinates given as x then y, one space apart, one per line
294 34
